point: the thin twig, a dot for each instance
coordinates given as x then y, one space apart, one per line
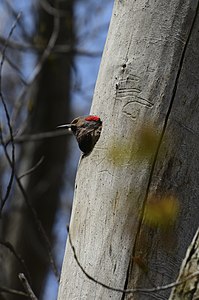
39 136
52 10
37 221
12 161
59 49
27 286
16 68
12 291
128 291
40 229
38 67
31 170
21 24
10 247
9 186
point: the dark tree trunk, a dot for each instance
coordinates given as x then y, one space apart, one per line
51 106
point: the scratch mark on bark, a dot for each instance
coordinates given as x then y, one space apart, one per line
106 171
196 134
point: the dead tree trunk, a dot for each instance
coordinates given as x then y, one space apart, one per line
149 75
190 289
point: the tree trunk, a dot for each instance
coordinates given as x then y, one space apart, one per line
148 75
189 290
51 107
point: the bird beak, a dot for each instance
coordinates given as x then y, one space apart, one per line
64 126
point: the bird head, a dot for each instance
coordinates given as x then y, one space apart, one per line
85 121
87 131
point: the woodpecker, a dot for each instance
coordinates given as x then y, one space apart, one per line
87 130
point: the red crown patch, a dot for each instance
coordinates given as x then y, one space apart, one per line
92 118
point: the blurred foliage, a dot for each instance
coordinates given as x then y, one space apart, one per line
161 211
146 144
119 154
148 139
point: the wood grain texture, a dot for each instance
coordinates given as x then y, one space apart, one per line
149 74
190 289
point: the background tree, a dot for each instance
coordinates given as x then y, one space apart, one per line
50 106
43 35
136 196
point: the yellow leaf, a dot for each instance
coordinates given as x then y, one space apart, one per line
148 139
161 211
119 154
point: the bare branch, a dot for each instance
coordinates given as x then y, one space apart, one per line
11 161
39 136
9 186
16 68
20 46
12 291
76 51
14 14
52 10
27 286
61 49
38 67
128 291
31 170
36 219
10 247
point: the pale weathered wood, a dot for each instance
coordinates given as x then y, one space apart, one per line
149 73
189 290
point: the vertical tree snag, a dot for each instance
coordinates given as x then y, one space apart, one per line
148 75
190 264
